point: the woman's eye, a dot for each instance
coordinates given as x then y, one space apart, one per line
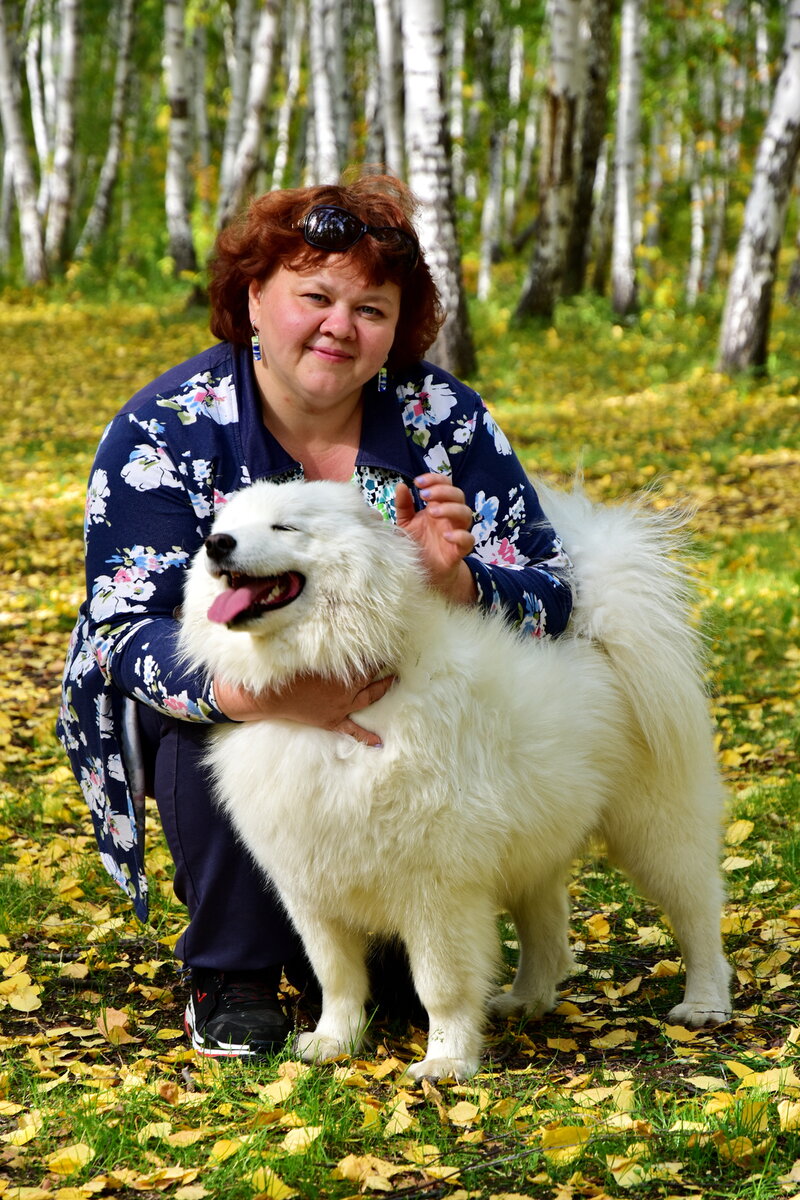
369 311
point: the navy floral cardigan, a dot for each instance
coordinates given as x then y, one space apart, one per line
168 461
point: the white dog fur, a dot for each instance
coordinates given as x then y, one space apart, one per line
500 757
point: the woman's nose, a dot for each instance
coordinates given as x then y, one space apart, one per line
338 322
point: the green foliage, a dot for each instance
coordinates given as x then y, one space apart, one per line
100 1094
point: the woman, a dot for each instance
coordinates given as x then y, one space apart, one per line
324 307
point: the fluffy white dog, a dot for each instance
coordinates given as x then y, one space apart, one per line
500 757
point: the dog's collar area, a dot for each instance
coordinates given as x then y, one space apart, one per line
248 597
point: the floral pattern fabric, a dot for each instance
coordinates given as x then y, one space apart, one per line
165 465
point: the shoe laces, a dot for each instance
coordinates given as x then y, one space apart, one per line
246 993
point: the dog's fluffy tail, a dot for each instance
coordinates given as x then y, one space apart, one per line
635 596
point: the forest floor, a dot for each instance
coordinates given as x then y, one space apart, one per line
100 1094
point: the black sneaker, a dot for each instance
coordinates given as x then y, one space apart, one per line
234 1014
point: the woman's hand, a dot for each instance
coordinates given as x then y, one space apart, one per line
308 700
442 531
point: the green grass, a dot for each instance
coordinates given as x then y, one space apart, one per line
631 405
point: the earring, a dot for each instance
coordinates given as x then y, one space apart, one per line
256 344
383 375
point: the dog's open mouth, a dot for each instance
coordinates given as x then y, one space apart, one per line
247 597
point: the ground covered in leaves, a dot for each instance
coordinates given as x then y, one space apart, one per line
99 1093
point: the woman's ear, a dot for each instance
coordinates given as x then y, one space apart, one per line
254 300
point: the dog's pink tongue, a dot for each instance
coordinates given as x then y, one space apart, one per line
233 601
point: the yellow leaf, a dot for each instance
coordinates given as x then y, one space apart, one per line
74 970
364 1167
25 998
789 1115
738 832
736 864
278 1091
679 1033
28 1126
155 1129
617 1037
463 1113
297 1141
738 1150
112 1024
400 1119
598 927
187 1137
776 1079
268 1184
564 1143
628 1172
71 1158
225 1148
566 1044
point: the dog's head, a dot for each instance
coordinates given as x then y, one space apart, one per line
314 578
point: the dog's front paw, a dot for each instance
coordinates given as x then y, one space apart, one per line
444 1068
315 1049
696 1015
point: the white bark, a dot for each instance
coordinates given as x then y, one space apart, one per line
491 213
34 260
390 82
456 49
292 55
243 27
556 164
623 266
428 157
745 324
179 229
327 165
41 137
60 190
516 70
97 220
261 73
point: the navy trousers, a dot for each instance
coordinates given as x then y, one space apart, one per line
236 921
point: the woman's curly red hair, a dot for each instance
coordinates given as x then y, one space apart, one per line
269 234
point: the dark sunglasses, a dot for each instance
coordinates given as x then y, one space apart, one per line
328 227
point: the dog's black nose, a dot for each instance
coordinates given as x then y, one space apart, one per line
219 546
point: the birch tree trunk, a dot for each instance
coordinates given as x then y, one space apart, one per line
556 164
293 56
745 324
60 189
243 25
97 220
327 166
179 229
246 157
624 292
390 78
593 127
428 157
41 137
32 240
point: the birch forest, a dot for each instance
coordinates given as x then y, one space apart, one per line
556 147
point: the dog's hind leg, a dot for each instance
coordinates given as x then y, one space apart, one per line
453 960
338 956
541 917
674 860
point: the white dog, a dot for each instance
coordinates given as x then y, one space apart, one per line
500 756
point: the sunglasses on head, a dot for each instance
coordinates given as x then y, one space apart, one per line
328 227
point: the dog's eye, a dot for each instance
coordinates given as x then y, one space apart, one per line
284 529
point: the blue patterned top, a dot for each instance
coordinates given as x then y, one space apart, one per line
168 461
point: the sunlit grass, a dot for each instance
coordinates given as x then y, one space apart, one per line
660 1113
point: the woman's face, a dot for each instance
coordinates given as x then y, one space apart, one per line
323 332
